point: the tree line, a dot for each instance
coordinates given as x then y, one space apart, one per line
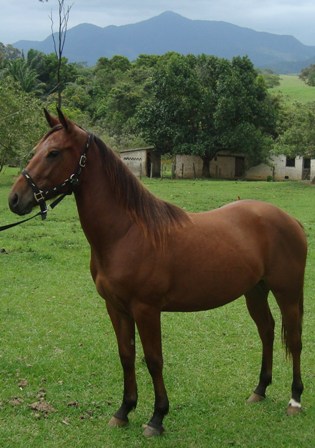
179 104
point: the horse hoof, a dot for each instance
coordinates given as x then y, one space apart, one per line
294 408
115 422
150 431
255 398
293 411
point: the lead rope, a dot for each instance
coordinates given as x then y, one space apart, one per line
40 213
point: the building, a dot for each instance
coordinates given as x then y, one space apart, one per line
233 166
146 162
142 161
284 168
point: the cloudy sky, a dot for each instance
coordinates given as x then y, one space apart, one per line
29 19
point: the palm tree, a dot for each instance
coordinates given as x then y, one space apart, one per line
25 75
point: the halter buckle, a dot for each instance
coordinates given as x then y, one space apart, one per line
82 161
39 196
74 181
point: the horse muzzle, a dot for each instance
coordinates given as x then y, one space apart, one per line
21 204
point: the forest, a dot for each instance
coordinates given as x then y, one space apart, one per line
179 104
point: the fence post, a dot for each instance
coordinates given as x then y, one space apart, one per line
173 170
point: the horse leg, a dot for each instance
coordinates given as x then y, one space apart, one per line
124 327
258 307
292 316
148 322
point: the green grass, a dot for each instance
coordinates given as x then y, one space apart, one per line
55 334
294 89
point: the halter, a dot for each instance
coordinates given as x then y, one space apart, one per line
41 196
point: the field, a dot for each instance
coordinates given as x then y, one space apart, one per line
60 377
294 89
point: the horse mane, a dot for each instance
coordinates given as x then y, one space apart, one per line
156 216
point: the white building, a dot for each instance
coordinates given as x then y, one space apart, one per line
146 162
142 161
232 166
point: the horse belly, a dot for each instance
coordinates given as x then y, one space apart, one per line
208 279
201 293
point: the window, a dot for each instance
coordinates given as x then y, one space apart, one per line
306 163
290 161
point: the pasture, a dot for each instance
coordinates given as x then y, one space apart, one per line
294 89
59 368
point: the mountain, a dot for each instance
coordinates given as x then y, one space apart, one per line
171 32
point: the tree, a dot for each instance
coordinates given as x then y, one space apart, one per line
116 90
297 131
21 122
25 75
271 79
8 53
174 117
308 75
201 105
46 65
120 63
246 115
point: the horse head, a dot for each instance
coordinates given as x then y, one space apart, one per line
54 168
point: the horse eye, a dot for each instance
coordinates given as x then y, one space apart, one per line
53 154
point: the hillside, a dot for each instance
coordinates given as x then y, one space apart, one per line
172 32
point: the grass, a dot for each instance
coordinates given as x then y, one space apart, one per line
294 89
58 347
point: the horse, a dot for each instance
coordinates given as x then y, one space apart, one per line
149 256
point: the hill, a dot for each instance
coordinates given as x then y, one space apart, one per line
172 32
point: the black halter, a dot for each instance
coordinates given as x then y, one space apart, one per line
41 196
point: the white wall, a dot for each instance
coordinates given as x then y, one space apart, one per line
223 167
188 167
278 169
136 161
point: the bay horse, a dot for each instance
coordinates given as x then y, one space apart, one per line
148 256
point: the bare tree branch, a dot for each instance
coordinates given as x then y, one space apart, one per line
63 15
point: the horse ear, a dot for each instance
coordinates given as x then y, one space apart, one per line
63 119
52 121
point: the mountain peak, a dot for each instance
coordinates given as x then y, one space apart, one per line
171 15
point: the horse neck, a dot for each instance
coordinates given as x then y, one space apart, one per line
104 220
111 200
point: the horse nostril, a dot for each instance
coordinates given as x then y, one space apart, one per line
14 201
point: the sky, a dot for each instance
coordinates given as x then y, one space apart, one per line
29 19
